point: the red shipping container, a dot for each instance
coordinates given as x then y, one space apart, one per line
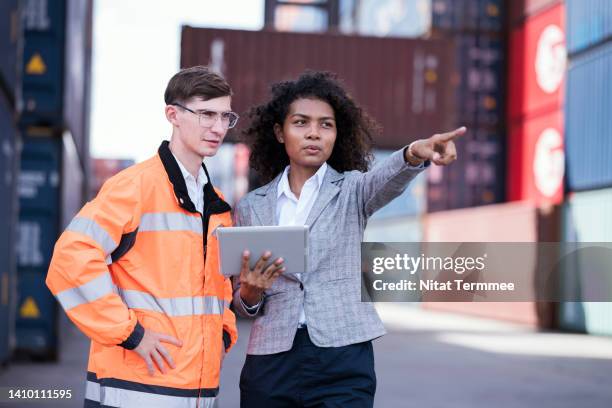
536 160
519 10
538 60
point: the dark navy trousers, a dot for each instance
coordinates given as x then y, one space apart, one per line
310 376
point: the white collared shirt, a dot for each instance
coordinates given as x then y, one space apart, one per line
291 210
195 187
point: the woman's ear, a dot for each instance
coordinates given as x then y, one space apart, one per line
278 133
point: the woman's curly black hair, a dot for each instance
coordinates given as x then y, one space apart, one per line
355 129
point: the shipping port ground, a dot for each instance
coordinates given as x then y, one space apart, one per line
428 359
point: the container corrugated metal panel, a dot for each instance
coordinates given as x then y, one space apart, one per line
411 202
588 124
519 10
400 82
10 47
39 228
589 23
536 160
468 15
538 65
509 222
476 178
587 218
9 152
395 229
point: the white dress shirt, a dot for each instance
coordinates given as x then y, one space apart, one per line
195 187
291 210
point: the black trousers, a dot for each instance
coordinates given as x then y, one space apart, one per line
310 376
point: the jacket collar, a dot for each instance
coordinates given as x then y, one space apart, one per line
213 204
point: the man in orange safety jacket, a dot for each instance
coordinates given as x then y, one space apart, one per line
137 269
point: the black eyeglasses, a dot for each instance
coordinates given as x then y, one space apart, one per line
208 118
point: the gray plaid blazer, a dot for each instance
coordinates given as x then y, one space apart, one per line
331 289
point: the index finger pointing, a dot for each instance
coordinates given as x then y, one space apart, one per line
447 137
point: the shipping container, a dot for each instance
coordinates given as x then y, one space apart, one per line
537 65
519 10
587 218
43 62
508 222
589 23
412 202
480 72
56 69
588 121
476 178
536 160
10 49
468 15
402 83
9 162
50 193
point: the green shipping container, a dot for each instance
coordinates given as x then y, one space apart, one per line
587 218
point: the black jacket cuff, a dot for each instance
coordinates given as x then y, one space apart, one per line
227 340
134 340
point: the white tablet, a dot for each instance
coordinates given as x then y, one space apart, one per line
289 243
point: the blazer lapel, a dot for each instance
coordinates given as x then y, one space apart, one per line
328 191
265 203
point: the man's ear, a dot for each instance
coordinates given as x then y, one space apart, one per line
278 133
171 112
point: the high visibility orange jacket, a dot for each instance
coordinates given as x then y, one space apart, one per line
140 256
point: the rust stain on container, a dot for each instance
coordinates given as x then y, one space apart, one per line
405 84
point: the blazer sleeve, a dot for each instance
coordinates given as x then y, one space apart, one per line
383 183
242 217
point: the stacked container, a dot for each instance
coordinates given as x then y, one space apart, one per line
476 28
587 213
54 85
536 82
10 48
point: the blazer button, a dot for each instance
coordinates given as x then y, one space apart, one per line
301 286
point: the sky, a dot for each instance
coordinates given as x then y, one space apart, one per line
136 51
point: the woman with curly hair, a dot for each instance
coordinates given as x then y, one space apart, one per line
310 343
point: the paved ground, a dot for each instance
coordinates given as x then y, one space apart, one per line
428 360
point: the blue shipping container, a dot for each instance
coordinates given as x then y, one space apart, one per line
587 217
480 67
588 120
9 154
468 15
589 22
43 62
39 228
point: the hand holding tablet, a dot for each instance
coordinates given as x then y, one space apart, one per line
289 243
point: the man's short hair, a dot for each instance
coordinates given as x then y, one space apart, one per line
198 81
